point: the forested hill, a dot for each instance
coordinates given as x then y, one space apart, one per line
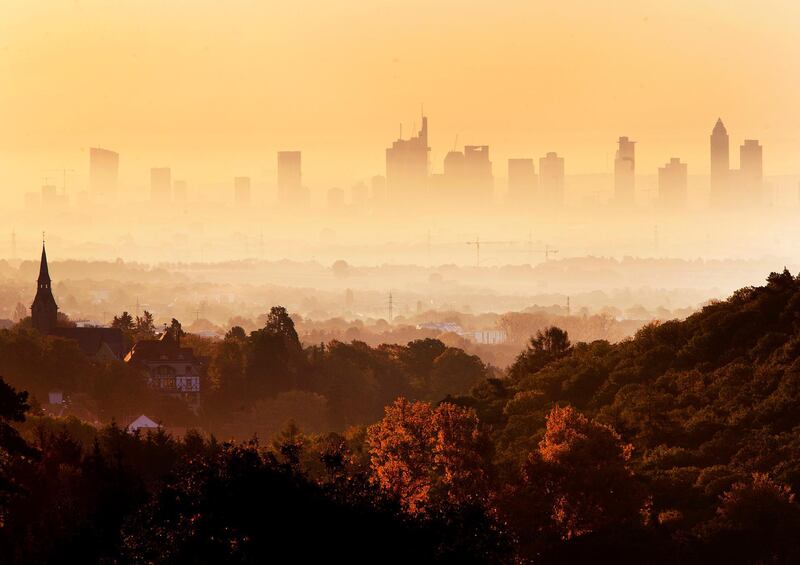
706 402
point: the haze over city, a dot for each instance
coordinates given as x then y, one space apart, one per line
467 282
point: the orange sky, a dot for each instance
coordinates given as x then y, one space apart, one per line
214 88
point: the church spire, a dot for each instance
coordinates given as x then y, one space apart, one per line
44 310
44 272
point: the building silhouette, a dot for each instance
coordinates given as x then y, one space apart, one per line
378 191
551 179
720 165
522 181
44 310
103 172
407 166
751 172
673 184
625 172
478 174
241 191
335 199
290 179
104 343
179 191
160 184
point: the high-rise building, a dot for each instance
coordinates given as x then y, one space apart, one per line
522 181
751 171
103 172
720 165
335 199
625 172
290 179
673 184
160 184
378 190
478 173
179 191
551 179
241 191
407 166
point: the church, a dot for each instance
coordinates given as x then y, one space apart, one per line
100 343
171 369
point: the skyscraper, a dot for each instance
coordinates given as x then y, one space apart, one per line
407 166
672 184
625 172
551 179
241 191
103 172
290 180
179 191
160 184
478 174
522 181
751 172
720 165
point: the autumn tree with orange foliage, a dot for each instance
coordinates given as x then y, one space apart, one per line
582 469
423 454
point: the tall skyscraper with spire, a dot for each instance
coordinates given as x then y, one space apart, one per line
44 310
720 165
407 166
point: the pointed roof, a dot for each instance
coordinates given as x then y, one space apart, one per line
44 273
142 422
719 127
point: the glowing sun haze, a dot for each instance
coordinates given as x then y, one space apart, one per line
218 87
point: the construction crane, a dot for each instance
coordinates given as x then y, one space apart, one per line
547 249
477 243
63 172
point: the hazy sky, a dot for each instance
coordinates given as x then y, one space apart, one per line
214 88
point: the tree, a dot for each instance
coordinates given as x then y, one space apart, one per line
454 372
20 312
423 455
124 322
145 328
175 330
583 470
545 346
756 522
13 447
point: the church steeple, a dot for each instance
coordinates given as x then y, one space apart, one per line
44 310
44 272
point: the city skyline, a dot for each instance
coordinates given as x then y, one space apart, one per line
654 73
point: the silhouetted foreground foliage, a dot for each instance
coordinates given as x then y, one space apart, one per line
681 445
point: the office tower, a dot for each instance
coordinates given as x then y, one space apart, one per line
103 172
160 184
625 172
450 186
751 172
478 173
359 195
290 179
407 167
50 196
241 191
551 179
522 181
673 184
335 199
378 186
179 191
720 165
